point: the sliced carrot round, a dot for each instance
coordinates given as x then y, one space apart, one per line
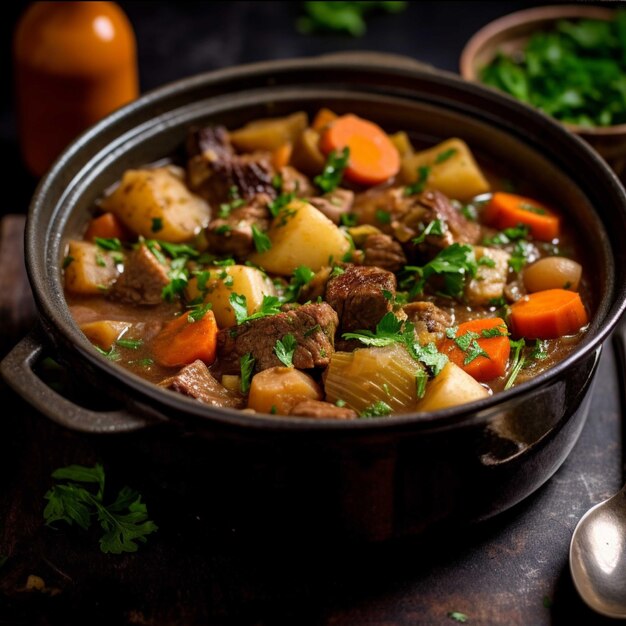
548 314
492 339
373 157
506 210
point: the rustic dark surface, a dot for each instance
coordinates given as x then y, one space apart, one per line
198 568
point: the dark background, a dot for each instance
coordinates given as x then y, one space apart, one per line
510 571
176 39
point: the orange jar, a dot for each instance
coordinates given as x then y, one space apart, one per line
74 63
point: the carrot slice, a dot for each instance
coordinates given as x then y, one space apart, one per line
373 157
483 332
548 314
282 155
506 210
323 118
106 226
182 341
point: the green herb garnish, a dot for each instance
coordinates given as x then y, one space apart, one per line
517 362
336 163
262 242
423 172
112 243
269 306
124 521
285 348
576 72
157 224
131 344
436 227
198 312
445 155
377 409
246 365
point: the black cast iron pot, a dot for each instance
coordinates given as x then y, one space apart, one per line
377 478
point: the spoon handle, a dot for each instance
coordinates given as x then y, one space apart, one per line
619 344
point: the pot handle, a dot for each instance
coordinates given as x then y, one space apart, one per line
17 370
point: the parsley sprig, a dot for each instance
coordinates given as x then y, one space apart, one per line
454 264
285 348
269 306
124 521
331 176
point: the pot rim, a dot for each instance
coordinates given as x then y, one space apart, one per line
177 404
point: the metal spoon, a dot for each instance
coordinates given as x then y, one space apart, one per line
597 554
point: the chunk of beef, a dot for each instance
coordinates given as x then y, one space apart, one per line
295 182
312 325
334 204
317 409
358 296
410 215
196 381
214 168
491 276
426 208
429 320
233 234
143 279
385 252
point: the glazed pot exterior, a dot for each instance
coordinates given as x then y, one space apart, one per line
371 479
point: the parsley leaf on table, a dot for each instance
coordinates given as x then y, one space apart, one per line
124 521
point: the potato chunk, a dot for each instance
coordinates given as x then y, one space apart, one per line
279 389
156 204
269 133
453 170
491 276
223 281
104 333
301 235
91 270
451 387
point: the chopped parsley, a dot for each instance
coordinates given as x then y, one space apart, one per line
508 235
198 312
458 617
100 262
223 229
388 331
349 219
520 254
377 409
112 354
157 224
467 342
301 277
336 271
336 163
531 208
445 155
246 366
111 244
179 278
539 351
423 172
131 344
178 250
434 360
454 264
262 242
436 227
80 498
269 306
517 362
421 378
382 216
280 202
67 261
285 348
340 403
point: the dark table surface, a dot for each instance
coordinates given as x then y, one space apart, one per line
512 570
